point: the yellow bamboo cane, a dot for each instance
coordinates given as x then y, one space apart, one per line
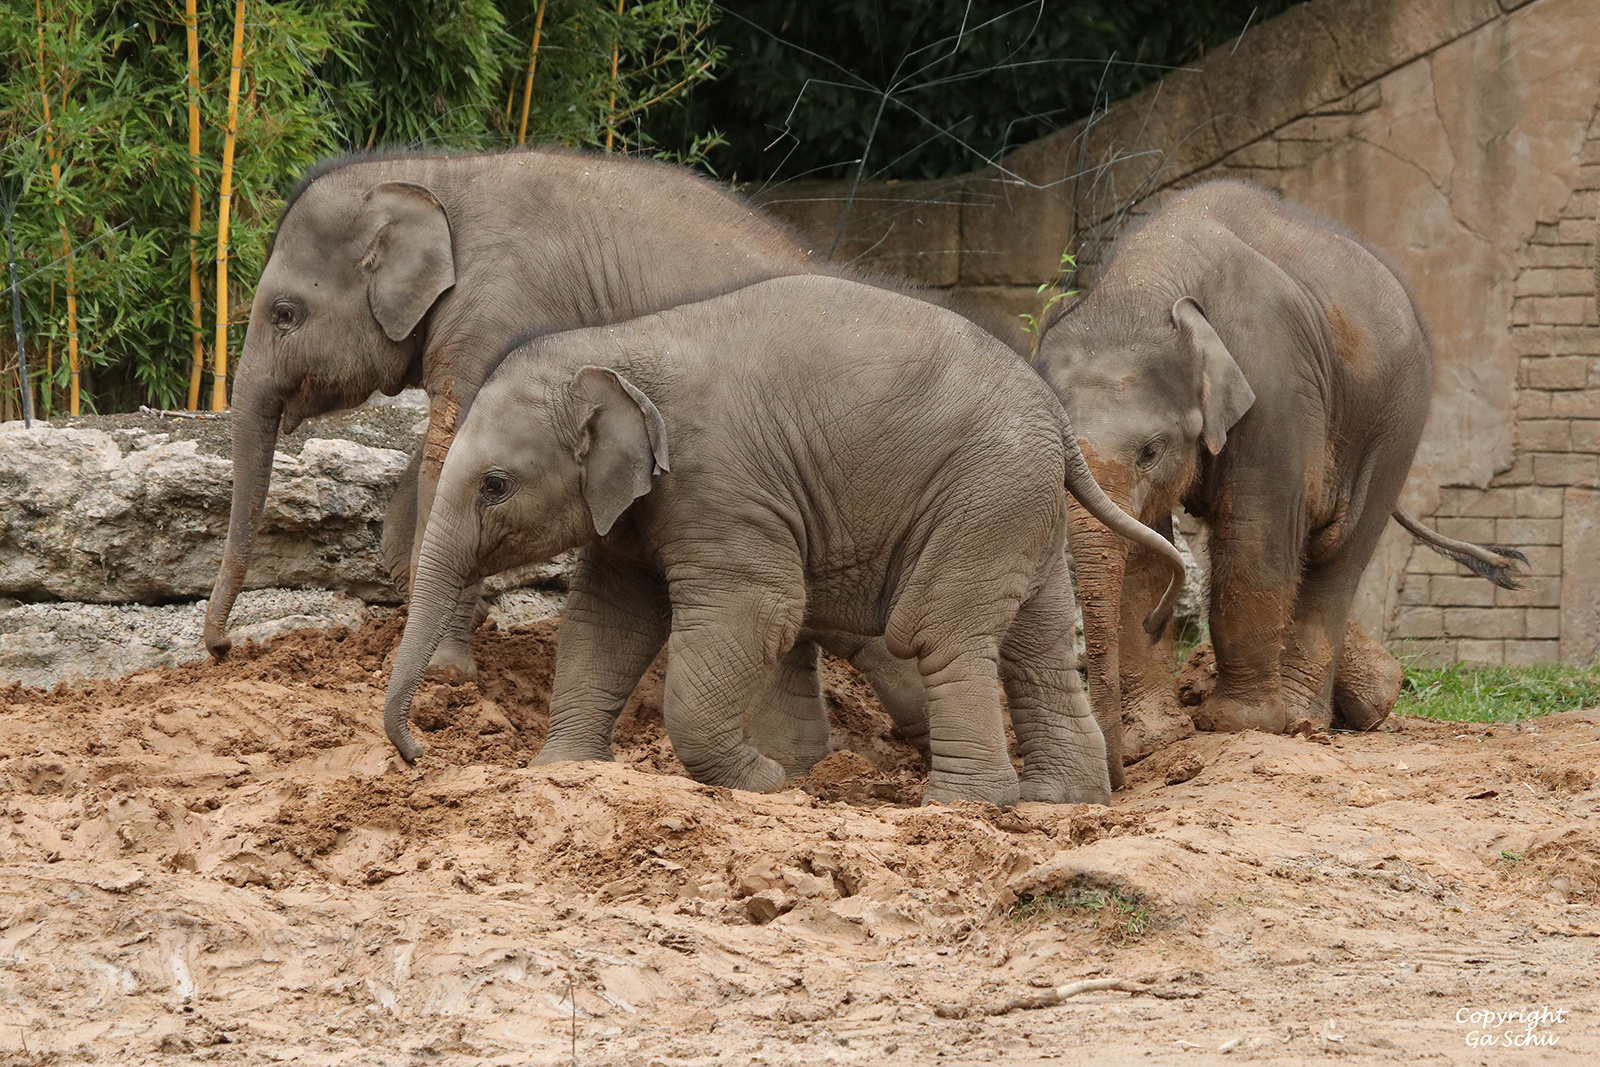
611 104
533 64
219 370
66 240
197 367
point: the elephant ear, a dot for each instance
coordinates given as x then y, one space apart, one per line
621 446
1225 394
410 261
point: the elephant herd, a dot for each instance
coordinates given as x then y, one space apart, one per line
758 454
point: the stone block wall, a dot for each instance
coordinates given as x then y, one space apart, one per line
1460 139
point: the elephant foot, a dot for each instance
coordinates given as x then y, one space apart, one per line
754 773
1367 683
793 734
947 788
1151 723
559 752
795 757
1225 714
1064 790
452 663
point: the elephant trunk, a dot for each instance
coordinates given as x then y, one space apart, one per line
257 414
1090 490
1099 558
435 589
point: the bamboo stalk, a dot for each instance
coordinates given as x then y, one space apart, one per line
197 366
533 65
219 370
47 387
16 321
611 104
66 240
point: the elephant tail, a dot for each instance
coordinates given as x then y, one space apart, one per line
1494 562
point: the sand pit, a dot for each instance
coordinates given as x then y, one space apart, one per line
226 864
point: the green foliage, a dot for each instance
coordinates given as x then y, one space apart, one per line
1053 292
1120 915
928 88
1497 694
317 77
452 72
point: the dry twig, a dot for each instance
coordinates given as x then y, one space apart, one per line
162 414
1055 996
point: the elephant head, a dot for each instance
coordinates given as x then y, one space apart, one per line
548 460
1149 396
338 314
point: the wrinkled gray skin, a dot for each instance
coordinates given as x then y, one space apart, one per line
807 459
1271 375
412 268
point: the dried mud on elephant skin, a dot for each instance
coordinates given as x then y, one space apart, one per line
231 859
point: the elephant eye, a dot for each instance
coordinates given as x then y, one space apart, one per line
286 315
494 488
1149 453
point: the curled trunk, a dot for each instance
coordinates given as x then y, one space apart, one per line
257 414
1105 493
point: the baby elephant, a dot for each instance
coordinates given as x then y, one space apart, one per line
808 457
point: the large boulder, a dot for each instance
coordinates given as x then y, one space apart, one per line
117 510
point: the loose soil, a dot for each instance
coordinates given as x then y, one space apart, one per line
227 864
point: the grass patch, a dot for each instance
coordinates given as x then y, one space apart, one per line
1188 635
1497 694
1120 915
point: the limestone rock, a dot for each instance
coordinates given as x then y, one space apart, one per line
137 517
42 644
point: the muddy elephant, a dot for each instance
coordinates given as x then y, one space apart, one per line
417 268
1272 375
805 459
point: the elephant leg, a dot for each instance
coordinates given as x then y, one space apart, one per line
1315 647
1151 716
790 724
1255 569
400 526
1366 683
616 620
1063 749
1322 610
722 659
452 660
966 734
898 687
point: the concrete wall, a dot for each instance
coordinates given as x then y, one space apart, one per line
1461 138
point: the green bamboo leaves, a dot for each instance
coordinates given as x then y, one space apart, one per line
114 245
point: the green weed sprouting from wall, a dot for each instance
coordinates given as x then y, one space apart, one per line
1051 293
317 78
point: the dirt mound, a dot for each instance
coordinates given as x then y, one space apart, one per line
228 860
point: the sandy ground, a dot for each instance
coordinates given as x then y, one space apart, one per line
226 864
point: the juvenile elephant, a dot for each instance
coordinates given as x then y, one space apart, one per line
408 268
808 458
1272 375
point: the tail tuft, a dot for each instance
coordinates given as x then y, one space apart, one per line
1503 573
1494 562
